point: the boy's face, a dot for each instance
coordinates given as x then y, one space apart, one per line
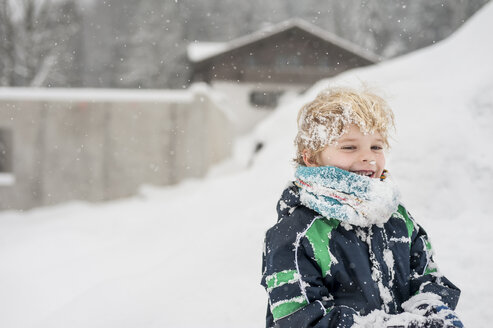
355 152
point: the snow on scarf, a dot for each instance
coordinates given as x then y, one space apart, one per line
346 196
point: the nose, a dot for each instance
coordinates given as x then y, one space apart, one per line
368 157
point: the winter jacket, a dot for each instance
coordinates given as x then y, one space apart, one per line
320 272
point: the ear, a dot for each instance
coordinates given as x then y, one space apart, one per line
307 158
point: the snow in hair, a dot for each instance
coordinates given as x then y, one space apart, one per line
324 120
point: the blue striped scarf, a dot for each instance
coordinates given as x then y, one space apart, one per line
346 196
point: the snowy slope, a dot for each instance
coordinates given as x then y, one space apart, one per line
190 255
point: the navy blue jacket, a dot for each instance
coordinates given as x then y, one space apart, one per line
319 272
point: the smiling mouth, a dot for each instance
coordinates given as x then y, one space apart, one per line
365 173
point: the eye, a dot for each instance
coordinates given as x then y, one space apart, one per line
348 147
378 147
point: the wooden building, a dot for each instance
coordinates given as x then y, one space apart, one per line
257 69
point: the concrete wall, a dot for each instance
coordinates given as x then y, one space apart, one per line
99 145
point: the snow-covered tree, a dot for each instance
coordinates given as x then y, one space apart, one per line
156 46
34 35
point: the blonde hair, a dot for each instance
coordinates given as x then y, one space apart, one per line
324 120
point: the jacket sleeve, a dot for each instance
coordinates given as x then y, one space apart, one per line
425 276
294 283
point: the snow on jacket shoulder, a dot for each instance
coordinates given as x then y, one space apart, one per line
319 272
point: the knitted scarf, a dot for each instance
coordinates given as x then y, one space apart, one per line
346 196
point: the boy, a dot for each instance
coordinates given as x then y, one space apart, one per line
345 252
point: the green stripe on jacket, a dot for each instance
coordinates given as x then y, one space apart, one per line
285 308
280 278
319 235
409 223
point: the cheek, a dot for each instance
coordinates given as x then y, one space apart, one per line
324 160
343 161
328 158
381 161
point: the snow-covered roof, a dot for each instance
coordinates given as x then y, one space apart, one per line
198 51
209 50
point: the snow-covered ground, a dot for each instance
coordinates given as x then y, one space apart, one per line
190 255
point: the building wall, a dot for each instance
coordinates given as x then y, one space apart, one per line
101 148
237 101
